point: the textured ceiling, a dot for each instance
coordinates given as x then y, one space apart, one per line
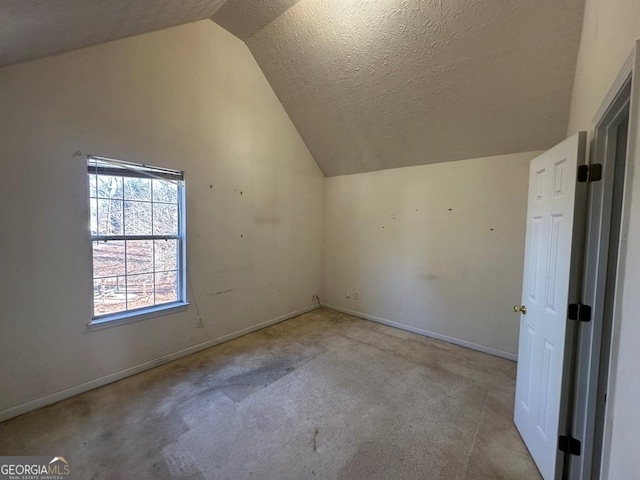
37 28
375 84
370 84
245 18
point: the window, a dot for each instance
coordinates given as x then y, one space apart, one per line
137 237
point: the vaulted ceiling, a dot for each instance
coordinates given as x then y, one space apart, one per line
370 84
32 29
389 83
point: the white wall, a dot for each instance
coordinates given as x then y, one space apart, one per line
610 28
190 98
417 245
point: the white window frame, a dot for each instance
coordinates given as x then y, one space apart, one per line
130 169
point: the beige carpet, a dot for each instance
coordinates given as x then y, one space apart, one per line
324 395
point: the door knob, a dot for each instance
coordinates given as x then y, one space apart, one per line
520 309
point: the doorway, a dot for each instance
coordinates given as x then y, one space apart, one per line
591 314
594 337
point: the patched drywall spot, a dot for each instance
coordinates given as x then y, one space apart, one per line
221 292
266 219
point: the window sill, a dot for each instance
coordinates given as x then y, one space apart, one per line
135 316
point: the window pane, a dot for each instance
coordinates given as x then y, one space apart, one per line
140 291
109 187
110 217
137 218
166 255
165 191
109 295
137 189
92 185
131 274
93 216
108 259
166 287
139 256
165 219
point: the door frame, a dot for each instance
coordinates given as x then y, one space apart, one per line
607 225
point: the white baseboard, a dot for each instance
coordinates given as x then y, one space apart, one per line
127 372
426 333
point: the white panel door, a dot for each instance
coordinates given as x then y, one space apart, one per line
549 273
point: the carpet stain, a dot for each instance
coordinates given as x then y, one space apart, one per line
239 386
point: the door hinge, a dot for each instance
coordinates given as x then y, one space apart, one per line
590 173
570 445
579 312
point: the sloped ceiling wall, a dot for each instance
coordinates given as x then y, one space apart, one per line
380 84
32 29
245 18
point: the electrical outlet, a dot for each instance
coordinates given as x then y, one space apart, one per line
314 297
356 295
200 323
